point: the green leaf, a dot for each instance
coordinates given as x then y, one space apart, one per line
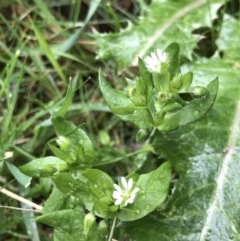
227 41
67 101
140 118
75 187
172 59
60 153
100 183
56 201
154 188
117 101
186 81
146 78
68 226
46 48
101 186
78 139
165 22
192 111
20 177
93 5
204 200
44 167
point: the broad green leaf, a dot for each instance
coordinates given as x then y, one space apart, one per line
193 111
60 153
75 187
101 186
166 21
68 226
140 118
56 201
44 167
228 38
117 101
78 139
100 183
204 204
154 188
20 177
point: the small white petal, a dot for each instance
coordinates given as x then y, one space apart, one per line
164 57
118 188
118 201
148 60
154 58
130 200
124 182
159 54
116 195
135 190
130 184
126 203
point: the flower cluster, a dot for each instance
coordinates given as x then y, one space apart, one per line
125 195
154 62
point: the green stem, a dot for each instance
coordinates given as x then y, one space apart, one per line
112 229
152 133
119 158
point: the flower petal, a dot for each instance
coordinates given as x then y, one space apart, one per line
130 200
148 60
135 190
159 54
117 188
154 58
124 182
118 201
116 195
130 184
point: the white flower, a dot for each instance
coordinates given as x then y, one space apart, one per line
127 194
154 62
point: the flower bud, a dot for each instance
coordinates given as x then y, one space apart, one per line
103 228
88 222
176 82
64 143
199 91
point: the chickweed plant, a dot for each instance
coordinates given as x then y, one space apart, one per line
153 102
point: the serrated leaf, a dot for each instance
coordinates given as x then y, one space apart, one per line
166 21
227 41
204 204
44 167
